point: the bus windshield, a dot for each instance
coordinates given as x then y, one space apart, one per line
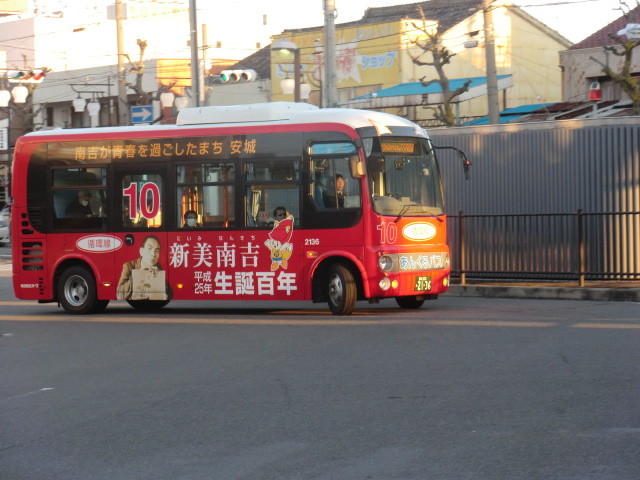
404 178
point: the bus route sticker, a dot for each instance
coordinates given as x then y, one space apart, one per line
99 243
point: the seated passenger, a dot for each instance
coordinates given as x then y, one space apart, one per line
279 214
190 219
80 208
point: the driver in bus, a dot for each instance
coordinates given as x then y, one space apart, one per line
330 197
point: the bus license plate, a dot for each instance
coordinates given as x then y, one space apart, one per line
423 284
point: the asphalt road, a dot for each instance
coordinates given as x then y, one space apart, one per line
464 388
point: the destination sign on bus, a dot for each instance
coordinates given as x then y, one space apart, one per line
193 148
398 147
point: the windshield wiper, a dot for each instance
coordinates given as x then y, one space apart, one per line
407 207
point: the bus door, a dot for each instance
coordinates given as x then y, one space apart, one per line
140 217
271 250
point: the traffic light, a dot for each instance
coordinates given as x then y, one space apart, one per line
235 76
27 76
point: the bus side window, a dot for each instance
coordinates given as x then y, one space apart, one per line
208 189
335 188
141 200
78 198
271 184
319 188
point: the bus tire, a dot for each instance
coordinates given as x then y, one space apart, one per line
341 290
147 305
410 302
77 291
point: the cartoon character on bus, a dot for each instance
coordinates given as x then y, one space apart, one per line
279 242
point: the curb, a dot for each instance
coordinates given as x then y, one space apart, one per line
547 293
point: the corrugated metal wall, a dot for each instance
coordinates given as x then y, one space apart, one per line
546 168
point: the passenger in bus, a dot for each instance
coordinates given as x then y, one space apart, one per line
331 195
191 219
143 278
79 207
279 214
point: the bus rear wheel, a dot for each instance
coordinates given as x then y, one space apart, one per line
147 305
77 291
410 302
341 290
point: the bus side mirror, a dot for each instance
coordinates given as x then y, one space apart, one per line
466 163
356 166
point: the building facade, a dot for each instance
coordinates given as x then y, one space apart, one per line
376 52
582 63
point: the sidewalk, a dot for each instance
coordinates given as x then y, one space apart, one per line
615 291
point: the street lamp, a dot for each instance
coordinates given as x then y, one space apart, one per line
290 47
20 94
5 98
79 104
167 101
93 107
180 103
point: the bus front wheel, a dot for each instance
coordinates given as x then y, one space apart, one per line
341 290
410 302
77 291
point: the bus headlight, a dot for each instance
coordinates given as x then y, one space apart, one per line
384 284
385 263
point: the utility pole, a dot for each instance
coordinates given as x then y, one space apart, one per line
329 85
490 56
195 67
123 102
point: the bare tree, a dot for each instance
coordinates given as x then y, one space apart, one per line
624 49
430 42
137 67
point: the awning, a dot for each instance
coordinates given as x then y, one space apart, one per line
414 93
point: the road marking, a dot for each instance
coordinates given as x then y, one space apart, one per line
359 318
45 389
302 322
24 302
631 326
311 322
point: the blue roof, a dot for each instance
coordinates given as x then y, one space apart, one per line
510 114
416 88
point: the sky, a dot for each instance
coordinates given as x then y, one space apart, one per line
574 19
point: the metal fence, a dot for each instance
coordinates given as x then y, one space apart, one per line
577 246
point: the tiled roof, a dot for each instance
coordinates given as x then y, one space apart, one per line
561 111
602 37
259 61
446 12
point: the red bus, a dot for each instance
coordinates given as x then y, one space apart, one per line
274 201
